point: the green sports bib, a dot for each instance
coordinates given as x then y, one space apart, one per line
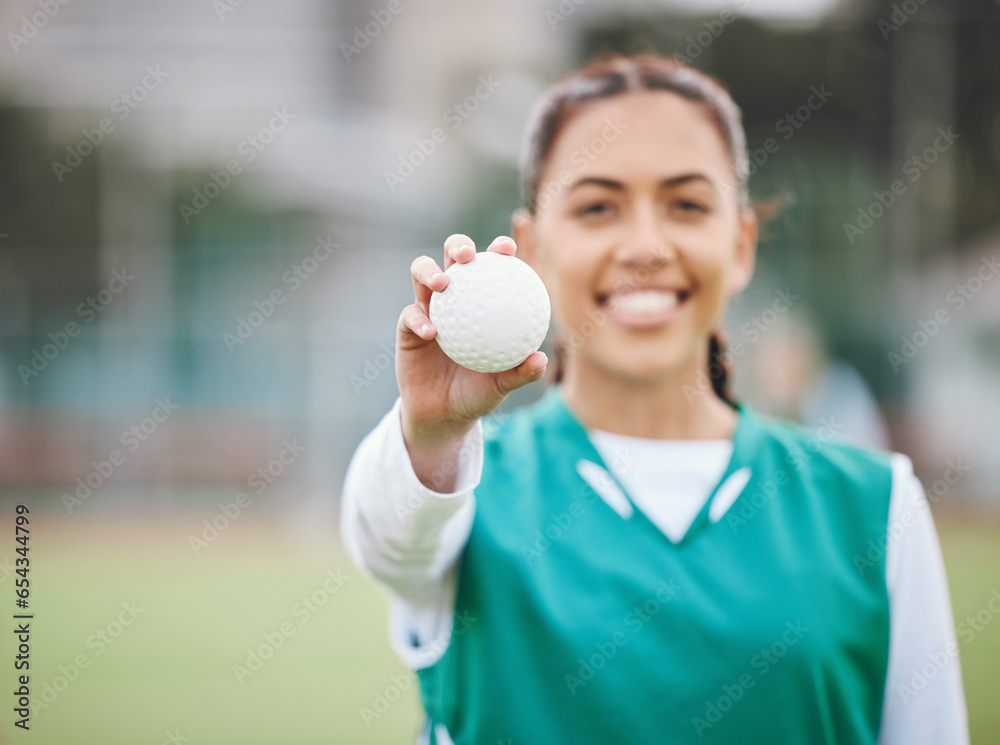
583 626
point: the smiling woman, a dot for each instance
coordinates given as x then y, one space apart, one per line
632 564
653 235
714 188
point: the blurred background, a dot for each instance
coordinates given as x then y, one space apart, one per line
208 209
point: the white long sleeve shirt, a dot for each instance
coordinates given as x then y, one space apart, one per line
408 538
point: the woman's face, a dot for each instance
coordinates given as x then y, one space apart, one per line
638 234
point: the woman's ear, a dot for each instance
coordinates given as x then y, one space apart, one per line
745 251
523 225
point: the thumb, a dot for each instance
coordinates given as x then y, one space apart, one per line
532 369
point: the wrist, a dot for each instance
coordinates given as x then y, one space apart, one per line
434 450
430 435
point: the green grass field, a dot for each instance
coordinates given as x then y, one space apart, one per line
171 669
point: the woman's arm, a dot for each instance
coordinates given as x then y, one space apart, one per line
409 537
398 530
924 701
407 505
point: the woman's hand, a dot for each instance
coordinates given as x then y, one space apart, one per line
441 400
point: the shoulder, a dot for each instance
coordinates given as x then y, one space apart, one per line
850 486
822 449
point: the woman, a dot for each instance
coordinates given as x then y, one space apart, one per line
635 557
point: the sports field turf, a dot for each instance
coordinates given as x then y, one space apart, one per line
169 674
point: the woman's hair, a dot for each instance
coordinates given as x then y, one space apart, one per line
617 75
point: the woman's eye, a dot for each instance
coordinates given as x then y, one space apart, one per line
689 206
597 208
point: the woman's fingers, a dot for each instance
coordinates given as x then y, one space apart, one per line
427 278
458 248
414 322
503 245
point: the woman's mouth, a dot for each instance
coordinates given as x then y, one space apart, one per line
643 308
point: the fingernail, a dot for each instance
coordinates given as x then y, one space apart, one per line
435 276
425 330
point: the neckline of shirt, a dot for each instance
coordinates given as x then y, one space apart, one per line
653 442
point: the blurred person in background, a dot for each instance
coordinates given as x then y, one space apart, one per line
623 560
794 378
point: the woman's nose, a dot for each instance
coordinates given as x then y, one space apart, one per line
647 243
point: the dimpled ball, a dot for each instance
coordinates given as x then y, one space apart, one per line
493 314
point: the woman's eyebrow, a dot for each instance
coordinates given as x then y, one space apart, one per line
686 178
673 181
596 181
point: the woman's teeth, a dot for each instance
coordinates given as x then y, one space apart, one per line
644 301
